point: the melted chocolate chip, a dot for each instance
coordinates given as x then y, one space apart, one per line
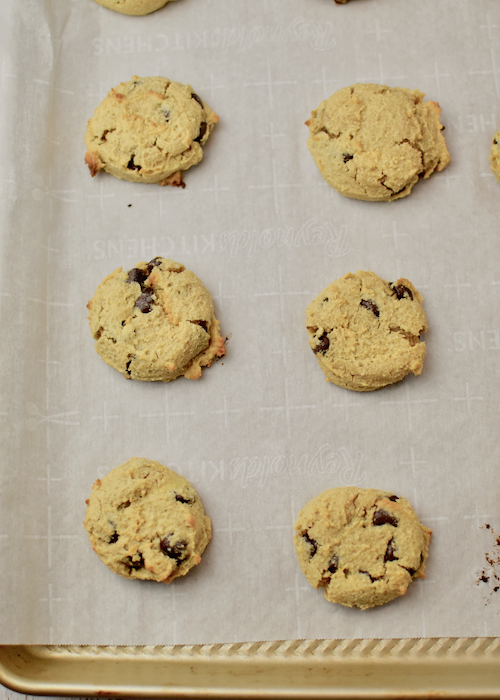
393 498
113 538
198 99
334 564
370 305
389 552
127 367
125 504
382 517
346 157
137 275
203 131
134 563
132 166
412 572
145 302
495 142
322 345
313 545
175 551
400 290
181 499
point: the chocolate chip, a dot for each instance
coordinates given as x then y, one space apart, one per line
412 572
382 517
145 301
198 99
132 166
346 157
393 498
155 262
137 275
400 290
175 551
370 305
123 505
181 499
334 564
322 345
313 545
389 552
134 563
113 538
495 142
203 131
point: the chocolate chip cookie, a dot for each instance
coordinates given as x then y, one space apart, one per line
363 546
374 142
155 322
145 521
134 7
495 156
365 332
149 130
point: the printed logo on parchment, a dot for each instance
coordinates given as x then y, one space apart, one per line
326 460
311 234
333 240
317 34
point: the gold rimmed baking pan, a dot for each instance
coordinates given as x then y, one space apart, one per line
387 668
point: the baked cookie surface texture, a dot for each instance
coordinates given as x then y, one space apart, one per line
148 130
365 332
155 322
363 546
495 156
133 7
374 142
145 521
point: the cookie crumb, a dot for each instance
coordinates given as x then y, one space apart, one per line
490 573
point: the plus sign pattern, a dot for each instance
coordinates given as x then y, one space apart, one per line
262 432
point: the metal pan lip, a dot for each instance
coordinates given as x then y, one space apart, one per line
449 667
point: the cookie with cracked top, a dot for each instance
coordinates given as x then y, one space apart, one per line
149 130
495 156
365 332
374 142
147 522
133 7
155 322
363 546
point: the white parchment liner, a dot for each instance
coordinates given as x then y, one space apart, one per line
262 432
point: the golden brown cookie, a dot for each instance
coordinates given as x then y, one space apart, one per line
155 322
374 142
147 522
133 7
365 332
148 130
495 156
363 546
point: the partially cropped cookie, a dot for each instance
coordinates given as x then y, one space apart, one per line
155 322
495 156
148 130
365 332
375 142
133 7
363 546
145 521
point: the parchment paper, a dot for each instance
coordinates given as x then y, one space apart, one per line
261 432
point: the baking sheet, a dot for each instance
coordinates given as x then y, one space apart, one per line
262 432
